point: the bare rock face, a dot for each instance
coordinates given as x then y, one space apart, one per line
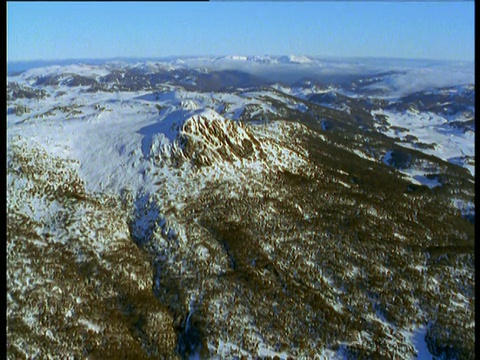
208 140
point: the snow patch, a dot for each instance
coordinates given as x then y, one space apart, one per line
450 144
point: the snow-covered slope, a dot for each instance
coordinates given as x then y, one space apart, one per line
432 134
249 221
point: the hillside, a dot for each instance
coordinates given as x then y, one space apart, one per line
160 211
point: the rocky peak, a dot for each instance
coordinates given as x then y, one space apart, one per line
209 137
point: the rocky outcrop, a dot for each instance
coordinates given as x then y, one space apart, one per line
17 91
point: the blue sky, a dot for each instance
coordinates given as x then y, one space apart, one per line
66 30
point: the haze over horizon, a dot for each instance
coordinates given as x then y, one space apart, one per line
46 31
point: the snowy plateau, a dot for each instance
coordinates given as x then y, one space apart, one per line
240 207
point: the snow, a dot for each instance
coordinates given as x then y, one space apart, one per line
297 59
431 183
421 345
388 157
264 351
29 77
195 356
90 325
115 147
363 155
467 208
109 160
265 95
430 128
344 184
417 176
238 58
225 348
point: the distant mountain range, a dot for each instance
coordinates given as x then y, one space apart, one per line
292 68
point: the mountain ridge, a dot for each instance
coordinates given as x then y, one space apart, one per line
260 221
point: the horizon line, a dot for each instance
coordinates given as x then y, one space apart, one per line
172 57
